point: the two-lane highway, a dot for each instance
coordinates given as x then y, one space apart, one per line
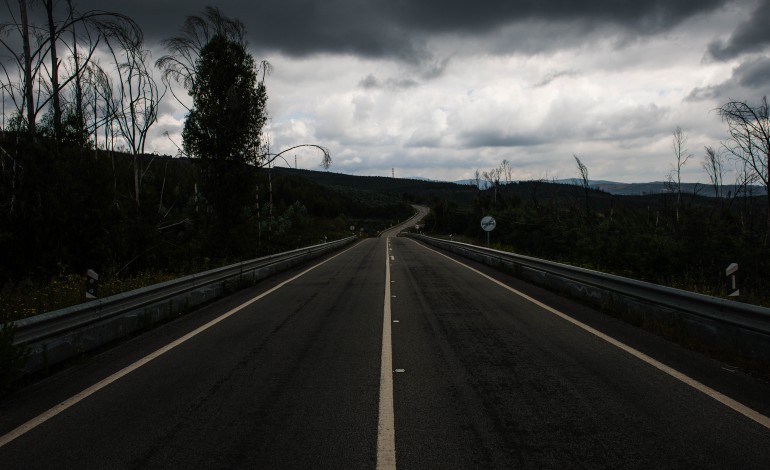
387 355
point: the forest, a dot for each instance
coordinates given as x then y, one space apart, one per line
71 210
679 240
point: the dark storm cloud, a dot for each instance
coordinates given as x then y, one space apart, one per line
399 28
752 76
750 36
441 16
371 82
548 79
499 138
415 76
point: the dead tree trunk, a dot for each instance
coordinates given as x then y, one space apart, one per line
28 85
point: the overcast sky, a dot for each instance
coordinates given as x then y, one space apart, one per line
440 88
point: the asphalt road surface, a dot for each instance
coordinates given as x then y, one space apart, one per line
294 373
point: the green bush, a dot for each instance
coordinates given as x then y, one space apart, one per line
12 358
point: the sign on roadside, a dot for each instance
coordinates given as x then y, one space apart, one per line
488 224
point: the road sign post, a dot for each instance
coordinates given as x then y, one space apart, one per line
488 224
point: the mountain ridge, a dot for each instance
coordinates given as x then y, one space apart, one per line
644 189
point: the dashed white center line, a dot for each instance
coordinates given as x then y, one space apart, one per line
386 430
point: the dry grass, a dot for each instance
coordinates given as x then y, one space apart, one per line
27 299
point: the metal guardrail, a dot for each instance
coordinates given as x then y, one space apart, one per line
725 329
718 311
58 335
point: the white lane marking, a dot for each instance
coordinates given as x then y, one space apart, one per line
386 428
705 389
400 370
42 418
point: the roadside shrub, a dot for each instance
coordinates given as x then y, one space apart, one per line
12 358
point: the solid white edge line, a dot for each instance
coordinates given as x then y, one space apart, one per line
386 429
42 418
705 389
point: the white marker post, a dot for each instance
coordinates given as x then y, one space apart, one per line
91 284
488 224
732 283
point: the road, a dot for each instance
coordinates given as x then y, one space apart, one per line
294 373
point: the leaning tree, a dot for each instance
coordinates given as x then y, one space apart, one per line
749 141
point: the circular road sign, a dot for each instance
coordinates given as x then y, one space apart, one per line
488 223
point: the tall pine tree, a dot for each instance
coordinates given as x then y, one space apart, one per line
224 125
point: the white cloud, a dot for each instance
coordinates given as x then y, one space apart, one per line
615 107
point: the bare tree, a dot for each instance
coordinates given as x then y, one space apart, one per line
28 78
749 142
507 171
2 100
681 156
584 182
95 28
184 50
492 177
54 73
477 179
103 104
713 164
134 101
39 85
18 76
11 175
94 80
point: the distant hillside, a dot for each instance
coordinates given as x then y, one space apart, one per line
374 183
644 189
659 187
398 189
